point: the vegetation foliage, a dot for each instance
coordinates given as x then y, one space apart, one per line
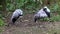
32 6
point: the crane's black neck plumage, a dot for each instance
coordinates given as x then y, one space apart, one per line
48 13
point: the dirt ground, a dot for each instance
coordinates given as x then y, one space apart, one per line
26 25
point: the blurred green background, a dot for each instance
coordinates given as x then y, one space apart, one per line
29 7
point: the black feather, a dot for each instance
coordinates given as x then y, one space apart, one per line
14 19
48 13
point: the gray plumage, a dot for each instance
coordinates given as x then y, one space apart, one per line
44 12
16 14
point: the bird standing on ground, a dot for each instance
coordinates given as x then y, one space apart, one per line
16 14
44 12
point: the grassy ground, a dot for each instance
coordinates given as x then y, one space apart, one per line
27 26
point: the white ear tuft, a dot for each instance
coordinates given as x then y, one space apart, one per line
48 10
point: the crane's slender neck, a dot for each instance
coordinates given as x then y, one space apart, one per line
48 13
